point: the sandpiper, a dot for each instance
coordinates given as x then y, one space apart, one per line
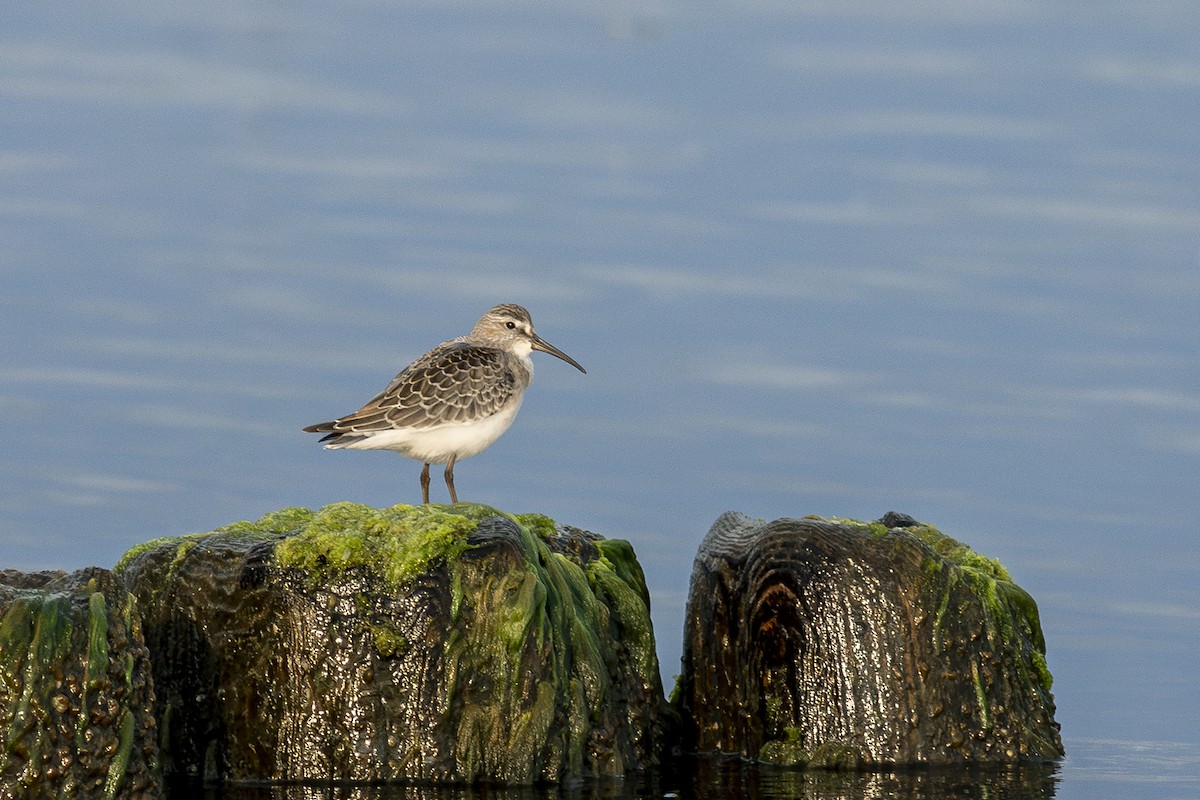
452 402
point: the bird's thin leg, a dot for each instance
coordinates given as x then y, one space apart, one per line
450 480
425 485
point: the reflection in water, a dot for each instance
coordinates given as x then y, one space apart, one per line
708 779
612 789
731 779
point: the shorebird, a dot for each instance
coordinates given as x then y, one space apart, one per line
452 402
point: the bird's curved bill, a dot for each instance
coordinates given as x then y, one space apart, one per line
541 344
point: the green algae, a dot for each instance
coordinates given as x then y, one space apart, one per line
538 524
97 663
959 554
949 548
285 520
388 641
542 644
68 691
1010 611
978 685
790 751
981 698
120 759
397 543
1045 679
274 524
16 640
16 627
568 616
624 591
182 545
501 622
1011 622
1010 614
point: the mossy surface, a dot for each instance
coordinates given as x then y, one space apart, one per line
949 548
987 578
581 624
274 524
839 643
446 643
74 689
182 544
791 751
396 543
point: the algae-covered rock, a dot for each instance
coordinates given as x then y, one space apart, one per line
409 643
75 695
840 644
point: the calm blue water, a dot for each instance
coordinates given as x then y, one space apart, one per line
831 258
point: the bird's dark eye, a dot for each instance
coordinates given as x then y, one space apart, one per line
510 325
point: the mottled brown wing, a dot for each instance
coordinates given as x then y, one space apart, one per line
455 382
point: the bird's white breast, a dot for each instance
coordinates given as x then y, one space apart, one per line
437 445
